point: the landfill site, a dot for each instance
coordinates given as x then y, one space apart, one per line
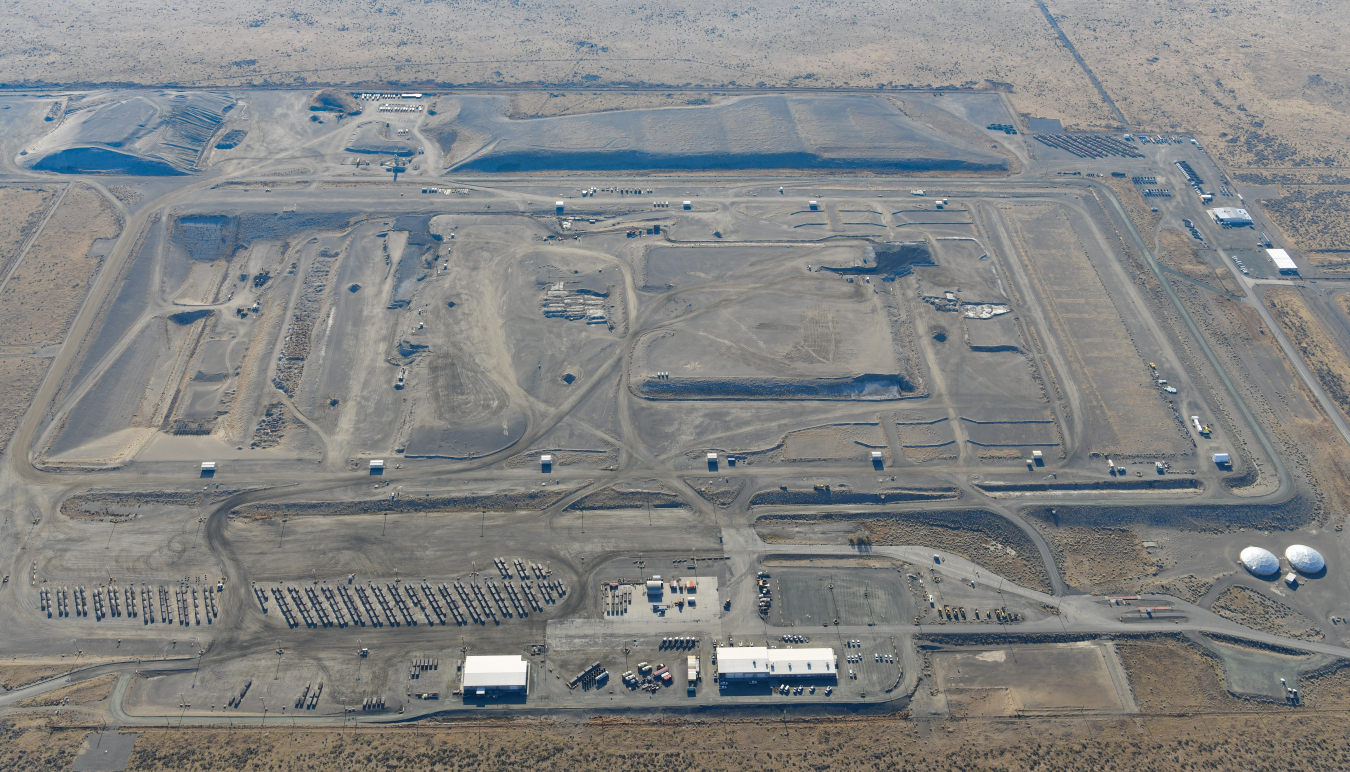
366 408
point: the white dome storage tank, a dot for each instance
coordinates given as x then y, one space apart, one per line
1305 558
1260 561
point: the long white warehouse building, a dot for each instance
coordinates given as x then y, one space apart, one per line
741 662
495 675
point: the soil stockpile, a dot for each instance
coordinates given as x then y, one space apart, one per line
1292 514
827 495
616 498
534 499
981 537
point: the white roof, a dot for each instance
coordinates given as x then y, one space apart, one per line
742 659
376 463
510 670
712 455
208 465
876 454
547 458
1281 260
758 660
1230 213
1259 561
802 661
1305 558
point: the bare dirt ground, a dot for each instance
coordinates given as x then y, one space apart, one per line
1122 405
19 379
1172 675
1101 560
1189 587
1301 432
717 490
1264 86
1329 687
14 675
1144 218
84 692
547 104
980 537
1322 355
505 500
1259 83
23 207
1251 608
48 287
634 495
1176 250
30 744
1316 221
778 43
1240 739
18 673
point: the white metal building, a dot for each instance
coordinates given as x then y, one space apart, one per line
1282 260
750 662
1231 216
497 674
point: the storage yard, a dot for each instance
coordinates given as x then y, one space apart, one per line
323 446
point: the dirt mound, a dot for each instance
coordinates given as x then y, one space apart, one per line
152 134
506 500
720 493
982 537
1295 513
657 497
1146 484
331 100
231 139
827 495
863 387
